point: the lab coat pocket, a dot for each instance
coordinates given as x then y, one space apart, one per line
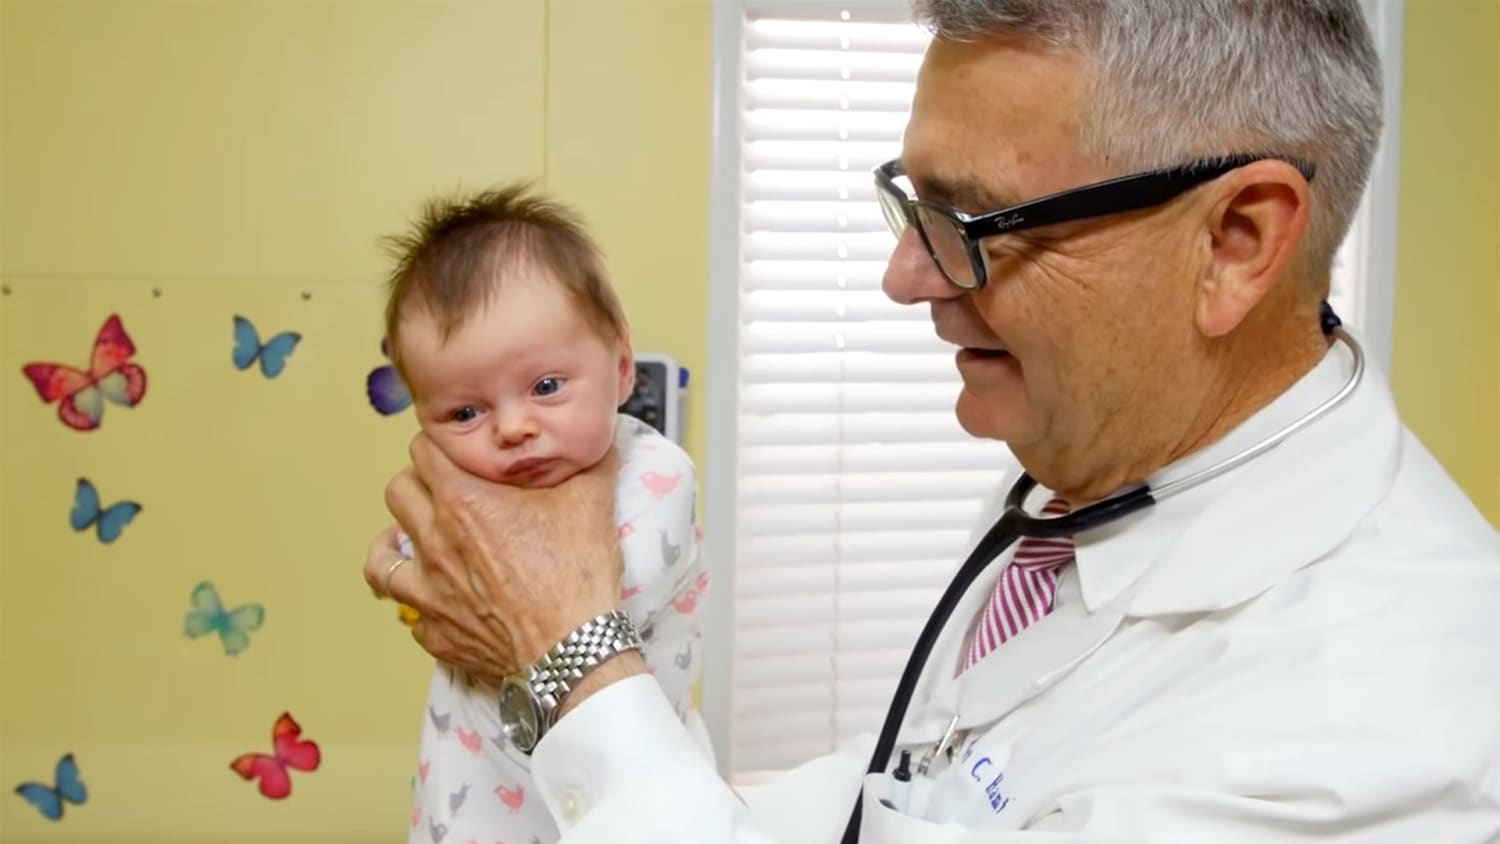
892 814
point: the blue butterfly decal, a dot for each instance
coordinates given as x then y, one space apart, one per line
388 393
208 616
49 799
272 354
109 521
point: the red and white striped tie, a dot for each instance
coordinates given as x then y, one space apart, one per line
1025 591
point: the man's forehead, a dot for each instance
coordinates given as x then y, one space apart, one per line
986 116
955 163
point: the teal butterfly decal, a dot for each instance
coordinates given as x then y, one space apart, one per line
209 616
272 354
49 799
108 522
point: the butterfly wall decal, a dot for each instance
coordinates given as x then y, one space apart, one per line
67 788
272 354
81 395
209 616
387 392
289 753
108 522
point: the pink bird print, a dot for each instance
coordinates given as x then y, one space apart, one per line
629 592
416 814
624 531
660 485
688 603
424 768
512 798
698 533
470 741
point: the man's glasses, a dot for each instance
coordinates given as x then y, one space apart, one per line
952 236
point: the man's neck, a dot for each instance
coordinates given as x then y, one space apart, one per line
1242 380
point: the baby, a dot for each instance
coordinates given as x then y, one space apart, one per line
507 330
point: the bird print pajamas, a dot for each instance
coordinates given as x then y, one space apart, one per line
459 799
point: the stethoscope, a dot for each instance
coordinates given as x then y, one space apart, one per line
1015 522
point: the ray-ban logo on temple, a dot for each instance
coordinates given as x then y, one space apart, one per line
1010 222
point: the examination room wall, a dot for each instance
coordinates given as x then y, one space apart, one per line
178 164
1446 363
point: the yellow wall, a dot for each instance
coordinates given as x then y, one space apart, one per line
180 163
1446 363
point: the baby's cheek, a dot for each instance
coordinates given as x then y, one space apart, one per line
593 440
472 452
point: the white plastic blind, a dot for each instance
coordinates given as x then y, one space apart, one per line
856 488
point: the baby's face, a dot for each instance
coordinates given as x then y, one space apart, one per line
524 392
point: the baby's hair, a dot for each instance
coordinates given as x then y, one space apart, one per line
452 261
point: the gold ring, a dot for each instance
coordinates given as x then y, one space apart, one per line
391 572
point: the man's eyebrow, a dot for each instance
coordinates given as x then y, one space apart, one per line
965 194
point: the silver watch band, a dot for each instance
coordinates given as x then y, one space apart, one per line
553 676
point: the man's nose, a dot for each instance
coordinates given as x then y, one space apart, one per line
911 276
514 426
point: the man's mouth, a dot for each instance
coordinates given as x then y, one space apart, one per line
985 353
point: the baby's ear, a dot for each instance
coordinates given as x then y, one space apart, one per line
627 371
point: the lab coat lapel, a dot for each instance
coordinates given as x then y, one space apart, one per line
1031 662
1013 673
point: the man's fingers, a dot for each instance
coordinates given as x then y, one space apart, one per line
432 465
410 503
383 552
403 583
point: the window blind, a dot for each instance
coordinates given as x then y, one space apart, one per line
856 489
855 486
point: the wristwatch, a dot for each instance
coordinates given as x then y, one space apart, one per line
530 698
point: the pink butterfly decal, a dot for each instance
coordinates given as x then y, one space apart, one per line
81 395
290 753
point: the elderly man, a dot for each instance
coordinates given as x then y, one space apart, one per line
1124 213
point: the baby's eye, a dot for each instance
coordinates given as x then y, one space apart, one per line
467 413
547 386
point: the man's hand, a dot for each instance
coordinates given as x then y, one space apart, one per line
502 574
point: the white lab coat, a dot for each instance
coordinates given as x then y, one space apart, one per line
1307 648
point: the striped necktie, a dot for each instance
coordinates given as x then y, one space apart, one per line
1025 590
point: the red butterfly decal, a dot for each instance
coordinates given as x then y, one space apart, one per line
290 753
80 394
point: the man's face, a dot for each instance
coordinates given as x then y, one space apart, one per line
1076 330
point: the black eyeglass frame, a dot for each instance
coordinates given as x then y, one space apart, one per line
1099 199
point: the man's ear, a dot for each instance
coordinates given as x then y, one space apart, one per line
627 370
1256 225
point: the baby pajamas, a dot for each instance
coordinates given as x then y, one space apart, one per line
471 786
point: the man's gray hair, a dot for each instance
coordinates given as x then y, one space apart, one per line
1176 80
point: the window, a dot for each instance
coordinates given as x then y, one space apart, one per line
834 453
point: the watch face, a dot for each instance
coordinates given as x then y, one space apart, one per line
520 718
